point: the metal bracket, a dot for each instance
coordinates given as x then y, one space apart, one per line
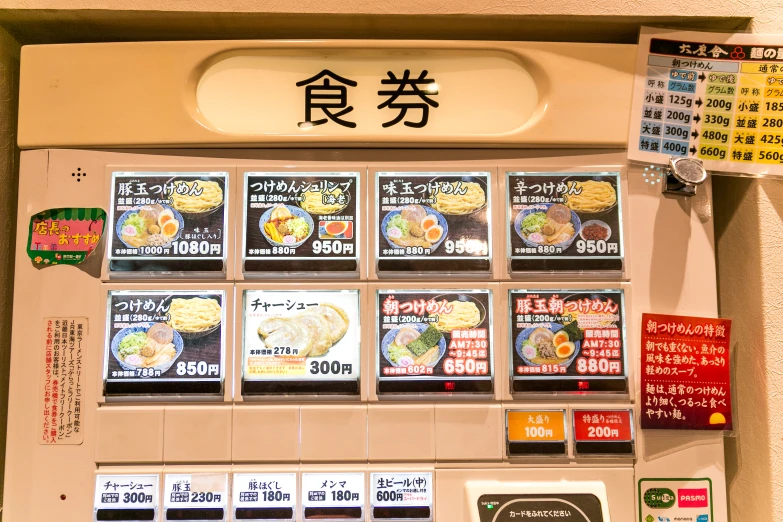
683 176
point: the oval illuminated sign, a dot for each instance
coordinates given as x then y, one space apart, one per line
367 94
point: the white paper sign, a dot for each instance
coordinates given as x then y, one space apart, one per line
333 490
126 492
401 489
62 381
264 490
196 491
712 96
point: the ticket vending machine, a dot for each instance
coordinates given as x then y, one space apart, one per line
343 281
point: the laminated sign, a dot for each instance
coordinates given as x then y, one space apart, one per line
565 221
567 341
686 373
169 221
301 341
712 96
433 221
62 380
434 341
161 342
301 222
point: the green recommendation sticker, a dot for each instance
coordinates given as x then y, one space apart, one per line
64 236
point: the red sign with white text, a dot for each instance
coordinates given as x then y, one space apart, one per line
602 425
686 377
692 498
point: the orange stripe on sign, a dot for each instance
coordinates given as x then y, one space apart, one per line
535 426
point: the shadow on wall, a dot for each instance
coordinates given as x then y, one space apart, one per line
672 229
665 284
744 257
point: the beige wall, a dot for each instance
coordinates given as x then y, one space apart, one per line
748 212
748 221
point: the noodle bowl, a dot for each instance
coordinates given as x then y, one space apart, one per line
472 200
209 198
464 315
594 196
313 202
194 315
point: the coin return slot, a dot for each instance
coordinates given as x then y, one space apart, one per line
130 515
309 387
555 449
264 514
453 386
604 448
178 387
604 384
400 513
315 513
194 514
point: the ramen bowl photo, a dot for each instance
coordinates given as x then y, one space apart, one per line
415 226
547 224
286 225
149 226
413 344
156 346
551 346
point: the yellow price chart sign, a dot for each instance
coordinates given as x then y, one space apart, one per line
715 97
